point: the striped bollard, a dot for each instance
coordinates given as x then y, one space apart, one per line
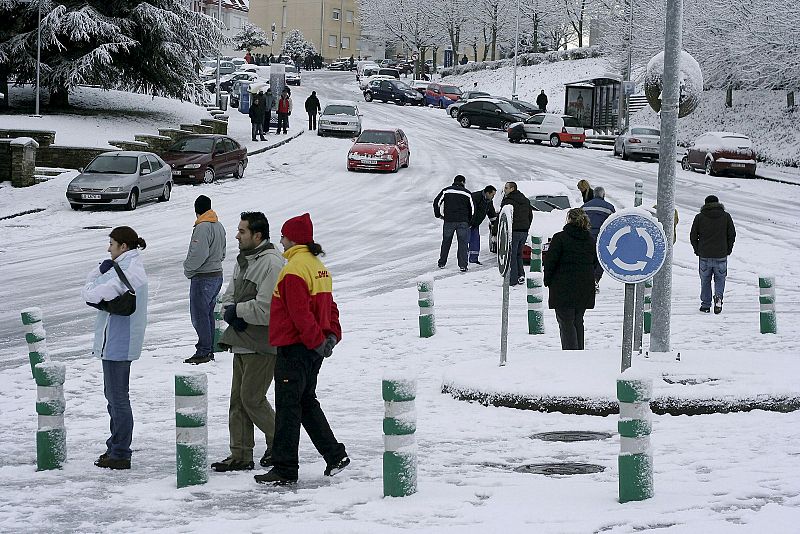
35 336
219 327
536 253
638 192
648 300
766 301
427 322
51 437
635 458
191 433
535 283
400 446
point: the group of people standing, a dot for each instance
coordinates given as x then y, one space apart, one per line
261 112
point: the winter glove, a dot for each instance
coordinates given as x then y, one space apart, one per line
239 324
106 265
230 314
325 348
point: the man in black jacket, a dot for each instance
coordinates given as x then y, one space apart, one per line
454 205
520 224
312 108
712 238
541 101
482 202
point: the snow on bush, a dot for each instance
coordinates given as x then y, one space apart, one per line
526 60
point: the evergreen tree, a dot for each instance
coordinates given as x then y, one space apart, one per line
294 44
250 37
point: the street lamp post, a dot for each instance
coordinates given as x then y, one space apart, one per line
219 51
628 72
516 53
38 59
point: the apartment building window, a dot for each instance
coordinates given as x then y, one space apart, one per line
336 14
348 17
345 42
332 41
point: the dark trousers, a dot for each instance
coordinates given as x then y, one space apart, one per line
283 122
517 268
256 128
312 121
461 229
267 120
474 244
203 293
116 380
570 326
296 404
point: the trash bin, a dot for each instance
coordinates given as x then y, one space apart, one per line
223 100
244 97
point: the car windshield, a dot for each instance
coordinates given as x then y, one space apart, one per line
113 165
549 202
376 137
571 122
289 68
339 110
523 106
451 90
645 131
200 145
403 86
507 108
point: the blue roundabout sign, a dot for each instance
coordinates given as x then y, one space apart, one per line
631 247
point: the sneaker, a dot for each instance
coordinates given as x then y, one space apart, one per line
717 304
463 269
521 280
705 309
200 358
108 462
337 467
229 464
266 460
477 262
274 478
441 265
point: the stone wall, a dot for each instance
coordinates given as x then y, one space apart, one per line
18 161
43 137
68 157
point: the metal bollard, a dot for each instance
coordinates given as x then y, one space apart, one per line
536 253
400 446
535 283
35 336
191 433
648 301
219 327
635 459
427 322
51 437
766 301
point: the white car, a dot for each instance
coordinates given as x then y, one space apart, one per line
368 66
637 141
292 75
339 117
364 82
555 129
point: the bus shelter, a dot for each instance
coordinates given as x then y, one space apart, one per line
595 102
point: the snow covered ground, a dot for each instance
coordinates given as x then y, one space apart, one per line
713 474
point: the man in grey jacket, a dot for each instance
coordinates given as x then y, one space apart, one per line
203 268
247 303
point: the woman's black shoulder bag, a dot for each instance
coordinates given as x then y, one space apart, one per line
124 304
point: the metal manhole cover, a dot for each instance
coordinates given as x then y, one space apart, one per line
579 435
560 468
99 227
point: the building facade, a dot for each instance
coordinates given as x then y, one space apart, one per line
234 15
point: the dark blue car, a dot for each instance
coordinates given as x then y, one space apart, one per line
392 91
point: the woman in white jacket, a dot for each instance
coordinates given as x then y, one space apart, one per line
118 339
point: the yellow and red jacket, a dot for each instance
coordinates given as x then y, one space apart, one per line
302 308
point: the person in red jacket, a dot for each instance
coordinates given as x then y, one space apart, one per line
304 326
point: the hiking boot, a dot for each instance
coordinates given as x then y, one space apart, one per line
229 464
336 467
717 304
521 280
274 478
463 269
705 309
266 460
200 358
441 265
108 462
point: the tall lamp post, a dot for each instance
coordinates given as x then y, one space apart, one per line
628 72
516 53
219 51
38 59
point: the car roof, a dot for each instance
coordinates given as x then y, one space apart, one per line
341 103
213 136
127 153
492 99
532 188
389 130
726 134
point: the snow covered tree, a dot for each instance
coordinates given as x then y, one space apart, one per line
294 45
402 21
250 37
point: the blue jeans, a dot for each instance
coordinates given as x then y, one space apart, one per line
716 268
116 377
518 240
461 229
474 244
203 293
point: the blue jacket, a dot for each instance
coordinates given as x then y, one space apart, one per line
598 210
117 337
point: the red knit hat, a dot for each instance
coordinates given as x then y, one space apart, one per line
299 229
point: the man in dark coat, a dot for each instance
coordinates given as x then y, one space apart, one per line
482 201
270 103
521 223
541 101
598 210
312 108
569 274
453 204
712 238
256 113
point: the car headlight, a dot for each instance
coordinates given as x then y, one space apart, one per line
114 189
324 122
353 157
192 166
74 188
386 157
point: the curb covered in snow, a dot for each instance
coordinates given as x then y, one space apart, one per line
276 145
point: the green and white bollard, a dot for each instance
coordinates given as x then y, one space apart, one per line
535 283
35 336
638 192
400 446
191 433
536 253
427 322
219 326
635 458
766 301
648 301
51 437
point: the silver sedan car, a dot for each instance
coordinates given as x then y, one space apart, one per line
641 141
122 178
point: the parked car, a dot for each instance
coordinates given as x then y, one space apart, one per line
441 95
387 71
292 75
392 90
452 109
226 82
364 83
338 117
420 86
239 62
721 152
201 158
363 66
339 65
525 107
489 113
388 63
637 141
122 178
210 71
555 129
249 67
383 150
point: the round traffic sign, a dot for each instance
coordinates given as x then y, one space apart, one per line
631 246
504 239
414 56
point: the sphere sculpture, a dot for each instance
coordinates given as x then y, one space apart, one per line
691 83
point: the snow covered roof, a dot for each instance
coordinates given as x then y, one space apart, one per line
593 81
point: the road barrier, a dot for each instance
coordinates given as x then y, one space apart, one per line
536 253
535 283
648 301
51 436
427 322
766 301
35 336
634 426
191 432
219 326
400 446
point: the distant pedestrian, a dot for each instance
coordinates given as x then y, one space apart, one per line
586 190
270 103
484 207
541 101
118 339
305 328
312 108
203 268
453 204
520 226
464 60
284 110
257 113
248 57
712 237
569 267
598 210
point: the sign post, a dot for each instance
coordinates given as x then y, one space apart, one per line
504 266
631 248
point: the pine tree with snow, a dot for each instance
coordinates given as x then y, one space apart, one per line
250 37
294 45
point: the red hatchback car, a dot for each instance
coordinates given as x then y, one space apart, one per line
201 158
381 150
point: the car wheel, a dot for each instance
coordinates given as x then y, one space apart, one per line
685 164
76 207
408 160
441 104
615 150
625 154
555 141
239 172
504 125
396 165
454 113
208 177
710 168
133 200
166 193
368 96
465 122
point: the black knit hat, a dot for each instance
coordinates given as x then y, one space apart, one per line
202 204
711 199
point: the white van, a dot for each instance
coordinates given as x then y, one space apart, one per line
365 65
555 129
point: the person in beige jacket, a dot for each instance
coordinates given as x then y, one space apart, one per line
246 302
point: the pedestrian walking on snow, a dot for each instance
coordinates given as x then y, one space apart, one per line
541 101
712 237
520 225
284 110
484 207
454 205
118 339
257 112
312 108
598 210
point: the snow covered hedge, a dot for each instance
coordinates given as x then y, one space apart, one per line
526 60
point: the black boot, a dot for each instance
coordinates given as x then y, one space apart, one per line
108 462
266 460
229 464
274 478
